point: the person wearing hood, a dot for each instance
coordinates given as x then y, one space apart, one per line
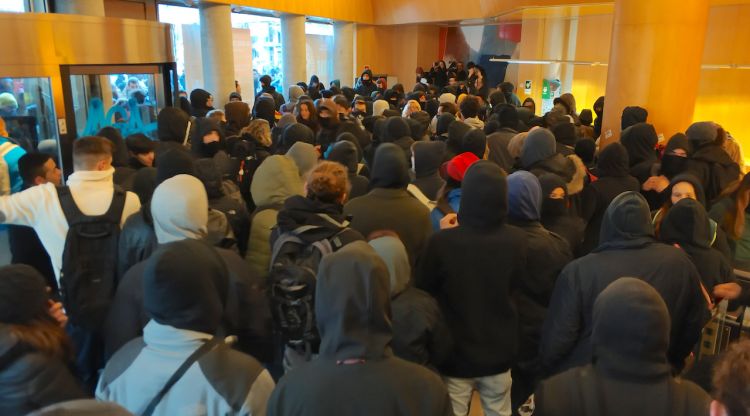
585 131
185 288
314 87
345 153
710 163
449 198
208 138
398 132
379 106
442 125
428 157
614 179
238 117
326 191
566 137
329 124
688 227
276 179
627 248
454 145
547 253
630 373
356 371
267 88
640 141
285 121
179 210
207 170
388 205
34 349
498 141
599 111
632 116
172 128
420 334
293 133
539 155
569 103
556 215
472 270
264 109
201 102
295 92
366 84
674 161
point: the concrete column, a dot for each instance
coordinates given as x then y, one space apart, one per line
655 63
293 49
84 7
217 51
343 53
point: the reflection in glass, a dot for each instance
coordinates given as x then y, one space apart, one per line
26 105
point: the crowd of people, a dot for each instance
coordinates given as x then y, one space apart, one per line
372 250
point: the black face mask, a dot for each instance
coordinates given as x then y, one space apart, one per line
210 149
325 123
672 165
553 208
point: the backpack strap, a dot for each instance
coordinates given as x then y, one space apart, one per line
73 214
203 350
417 193
114 213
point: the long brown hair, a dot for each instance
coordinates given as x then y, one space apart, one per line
44 335
734 219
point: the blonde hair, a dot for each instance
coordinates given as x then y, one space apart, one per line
328 182
412 106
260 130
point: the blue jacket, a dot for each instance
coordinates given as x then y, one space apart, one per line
454 200
11 153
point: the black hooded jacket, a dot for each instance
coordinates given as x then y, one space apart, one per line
356 371
299 211
714 168
366 88
345 152
687 225
627 248
614 179
198 99
388 206
172 125
203 127
264 109
630 374
640 140
428 157
482 260
599 103
632 116
556 215
278 99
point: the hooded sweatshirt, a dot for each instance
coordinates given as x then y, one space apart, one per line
295 91
632 116
671 164
198 100
419 331
264 109
366 87
276 179
185 286
203 127
444 122
388 206
640 140
556 214
304 156
614 179
483 259
294 133
428 157
630 374
356 372
378 106
598 104
626 248
687 225
710 163
539 155
238 117
345 152
547 254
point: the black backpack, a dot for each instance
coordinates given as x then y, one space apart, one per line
88 278
294 266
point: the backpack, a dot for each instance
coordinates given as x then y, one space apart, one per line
88 277
293 270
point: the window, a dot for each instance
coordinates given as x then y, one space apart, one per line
319 43
17 6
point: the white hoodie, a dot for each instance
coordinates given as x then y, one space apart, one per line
39 207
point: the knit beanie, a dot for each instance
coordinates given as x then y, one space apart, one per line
23 294
456 167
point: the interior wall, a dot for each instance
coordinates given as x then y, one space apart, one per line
131 9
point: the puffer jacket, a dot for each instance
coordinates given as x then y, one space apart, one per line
30 380
276 179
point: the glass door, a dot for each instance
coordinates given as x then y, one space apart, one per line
126 97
